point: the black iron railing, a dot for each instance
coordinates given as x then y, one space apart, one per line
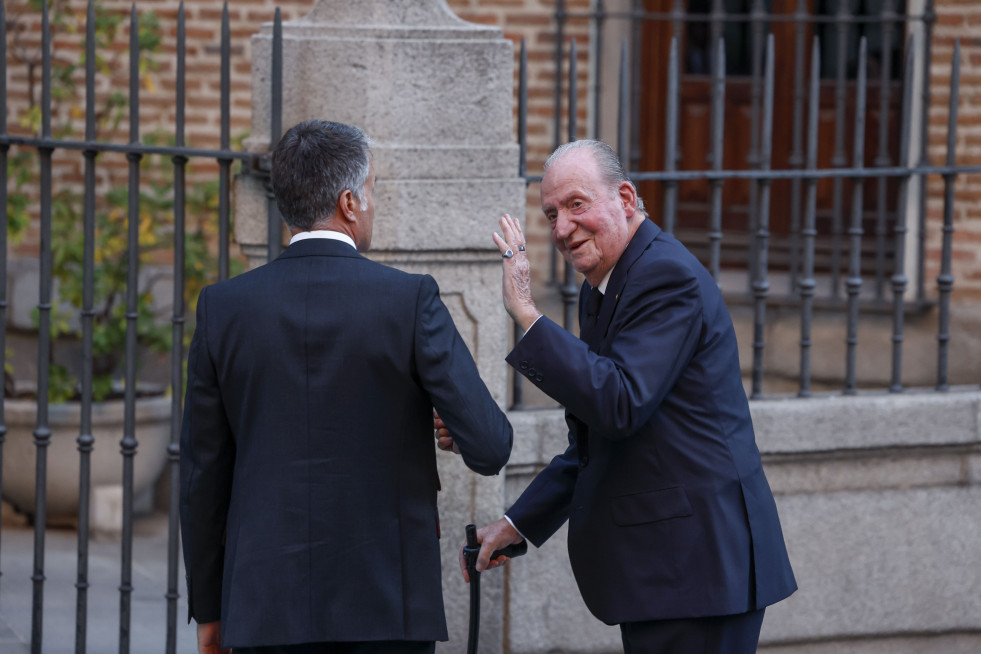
805 176
45 145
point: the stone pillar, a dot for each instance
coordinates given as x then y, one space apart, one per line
436 96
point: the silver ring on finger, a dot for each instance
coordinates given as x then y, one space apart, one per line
521 248
508 254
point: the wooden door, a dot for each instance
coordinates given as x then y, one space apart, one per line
694 140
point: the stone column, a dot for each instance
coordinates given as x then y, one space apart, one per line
436 96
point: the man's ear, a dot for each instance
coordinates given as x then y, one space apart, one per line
347 205
628 198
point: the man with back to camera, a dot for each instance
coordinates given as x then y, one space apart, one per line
673 530
308 471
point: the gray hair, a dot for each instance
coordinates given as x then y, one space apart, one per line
313 164
606 159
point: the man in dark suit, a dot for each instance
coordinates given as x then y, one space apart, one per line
673 530
308 468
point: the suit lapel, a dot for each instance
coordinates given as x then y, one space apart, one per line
643 237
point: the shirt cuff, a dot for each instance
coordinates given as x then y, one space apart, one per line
510 522
530 327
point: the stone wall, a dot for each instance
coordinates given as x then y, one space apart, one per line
880 502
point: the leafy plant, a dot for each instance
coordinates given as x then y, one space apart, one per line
111 251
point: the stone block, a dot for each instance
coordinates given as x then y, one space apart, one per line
880 420
430 89
871 563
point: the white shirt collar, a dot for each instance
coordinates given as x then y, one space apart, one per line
606 280
324 233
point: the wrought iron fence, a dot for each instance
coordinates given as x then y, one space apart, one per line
805 174
744 26
45 145
802 171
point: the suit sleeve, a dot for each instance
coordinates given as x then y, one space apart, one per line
544 505
654 334
449 375
207 457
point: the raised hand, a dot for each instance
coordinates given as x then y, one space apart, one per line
517 273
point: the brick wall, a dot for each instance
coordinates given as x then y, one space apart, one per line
957 19
529 19
158 86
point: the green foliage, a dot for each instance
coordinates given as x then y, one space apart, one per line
19 172
154 222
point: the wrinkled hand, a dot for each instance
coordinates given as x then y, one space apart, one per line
444 440
517 274
492 537
209 639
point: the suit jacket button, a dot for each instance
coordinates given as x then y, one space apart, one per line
584 461
532 372
523 365
539 377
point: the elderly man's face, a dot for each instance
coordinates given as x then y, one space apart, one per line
591 226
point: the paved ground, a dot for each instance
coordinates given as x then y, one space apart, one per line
148 628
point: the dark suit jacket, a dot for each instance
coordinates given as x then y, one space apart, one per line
308 467
670 514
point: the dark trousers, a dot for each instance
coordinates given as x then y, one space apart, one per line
371 647
724 634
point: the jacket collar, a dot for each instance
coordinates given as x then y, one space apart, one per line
312 247
643 237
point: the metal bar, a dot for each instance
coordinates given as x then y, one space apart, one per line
761 287
821 173
124 148
275 234
517 379
718 141
633 154
623 106
807 284
796 159
128 444
757 16
275 226
560 14
677 19
177 341
224 165
854 282
899 279
86 441
276 113
42 432
716 23
637 15
838 159
945 281
600 23
929 18
523 111
882 158
569 291
670 208
3 233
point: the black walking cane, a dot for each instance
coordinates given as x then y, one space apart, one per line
470 552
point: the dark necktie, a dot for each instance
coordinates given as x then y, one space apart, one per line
594 302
